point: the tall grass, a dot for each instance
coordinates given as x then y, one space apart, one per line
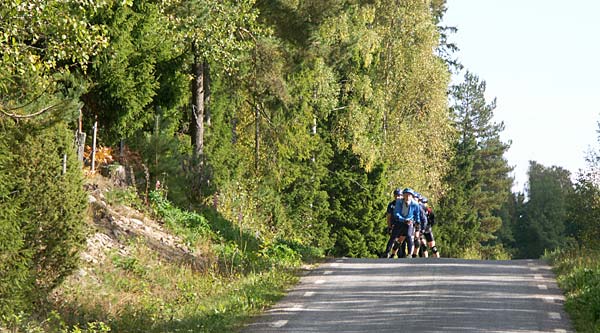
578 274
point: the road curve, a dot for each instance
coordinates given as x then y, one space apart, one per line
421 295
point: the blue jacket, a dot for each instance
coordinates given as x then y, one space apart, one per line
413 213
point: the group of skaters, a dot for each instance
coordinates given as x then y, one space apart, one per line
409 220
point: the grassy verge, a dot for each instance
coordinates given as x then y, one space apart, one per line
578 274
135 289
141 293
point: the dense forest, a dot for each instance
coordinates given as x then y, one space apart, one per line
293 120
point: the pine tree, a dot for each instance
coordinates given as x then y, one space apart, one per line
14 259
479 183
126 74
54 228
357 221
41 241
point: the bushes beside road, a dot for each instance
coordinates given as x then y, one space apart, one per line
578 275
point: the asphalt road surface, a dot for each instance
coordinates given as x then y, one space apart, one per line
421 295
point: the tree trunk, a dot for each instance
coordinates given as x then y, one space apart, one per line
256 136
207 116
197 116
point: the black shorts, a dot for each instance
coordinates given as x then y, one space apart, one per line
402 229
429 236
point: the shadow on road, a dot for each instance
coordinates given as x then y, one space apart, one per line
421 295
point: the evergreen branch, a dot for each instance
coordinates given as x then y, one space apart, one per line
350 179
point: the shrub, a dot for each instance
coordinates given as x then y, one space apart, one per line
578 274
49 229
14 260
278 254
190 225
307 252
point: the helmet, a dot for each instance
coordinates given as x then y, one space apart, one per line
424 200
397 192
409 191
418 195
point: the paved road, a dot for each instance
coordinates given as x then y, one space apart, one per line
421 295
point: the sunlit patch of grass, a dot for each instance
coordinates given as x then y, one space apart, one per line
578 274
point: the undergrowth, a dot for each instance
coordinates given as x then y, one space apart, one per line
137 290
578 275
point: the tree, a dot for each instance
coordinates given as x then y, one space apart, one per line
584 213
132 70
479 183
43 239
544 216
14 261
42 41
411 88
584 205
46 46
510 213
445 49
216 33
267 140
356 217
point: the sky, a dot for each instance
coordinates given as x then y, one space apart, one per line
541 60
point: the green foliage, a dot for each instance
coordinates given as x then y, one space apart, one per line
22 323
307 253
125 74
55 233
14 258
130 264
411 95
351 243
584 213
305 198
123 196
191 225
215 28
167 156
231 231
163 296
45 237
479 184
584 204
279 254
543 221
494 252
357 202
510 214
313 111
301 97
578 275
40 39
